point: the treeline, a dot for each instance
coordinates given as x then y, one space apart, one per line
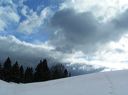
17 73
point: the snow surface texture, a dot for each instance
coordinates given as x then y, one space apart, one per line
103 83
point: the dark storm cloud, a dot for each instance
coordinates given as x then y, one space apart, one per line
72 31
121 21
23 52
29 54
82 31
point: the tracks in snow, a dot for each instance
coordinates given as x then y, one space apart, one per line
110 85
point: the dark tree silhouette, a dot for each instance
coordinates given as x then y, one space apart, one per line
66 74
21 74
45 65
46 71
28 75
0 71
7 64
42 72
0 66
7 69
15 73
59 71
39 72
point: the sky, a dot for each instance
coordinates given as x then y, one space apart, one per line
70 31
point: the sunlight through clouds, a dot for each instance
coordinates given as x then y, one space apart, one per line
74 31
114 55
103 9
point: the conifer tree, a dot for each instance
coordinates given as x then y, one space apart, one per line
59 71
15 73
0 66
7 64
46 71
28 75
0 71
7 69
38 76
21 74
66 73
42 72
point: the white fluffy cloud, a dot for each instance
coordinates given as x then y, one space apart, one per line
8 16
33 21
11 13
103 9
113 55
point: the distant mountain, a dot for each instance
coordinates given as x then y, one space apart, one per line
80 69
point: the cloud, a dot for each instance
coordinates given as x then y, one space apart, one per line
77 30
121 20
8 15
82 31
102 9
25 53
30 54
113 55
18 17
74 29
33 21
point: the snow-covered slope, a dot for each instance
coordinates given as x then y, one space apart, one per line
103 83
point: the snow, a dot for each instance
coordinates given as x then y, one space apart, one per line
102 83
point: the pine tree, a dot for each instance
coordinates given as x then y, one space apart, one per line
28 75
46 71
45 65
7 64
0 66
38 76
15 73
0 71
66 73
21 74
7 69
59 71
42 72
